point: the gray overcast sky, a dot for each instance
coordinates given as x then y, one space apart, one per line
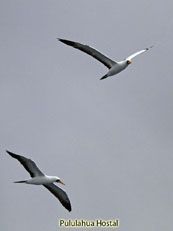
110 141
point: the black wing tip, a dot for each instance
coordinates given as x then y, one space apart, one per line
59 39
104 77
68 207
10 153
66 203
67 42
13 154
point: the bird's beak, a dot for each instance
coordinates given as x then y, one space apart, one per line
129 61
61 182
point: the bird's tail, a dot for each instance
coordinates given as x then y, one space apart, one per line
104 77
21 181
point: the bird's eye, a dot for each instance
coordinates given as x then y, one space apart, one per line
129 62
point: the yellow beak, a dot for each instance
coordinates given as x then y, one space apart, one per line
61 182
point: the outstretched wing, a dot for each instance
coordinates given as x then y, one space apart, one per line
90 51
60 194
28 164
137 53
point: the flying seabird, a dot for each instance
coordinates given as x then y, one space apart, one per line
113 66
38 178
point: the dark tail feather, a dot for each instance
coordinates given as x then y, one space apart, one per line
104 77
21 181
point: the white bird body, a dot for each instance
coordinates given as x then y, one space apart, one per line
40 180
113 66
118 67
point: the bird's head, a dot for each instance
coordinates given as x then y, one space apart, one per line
58 180
129 62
